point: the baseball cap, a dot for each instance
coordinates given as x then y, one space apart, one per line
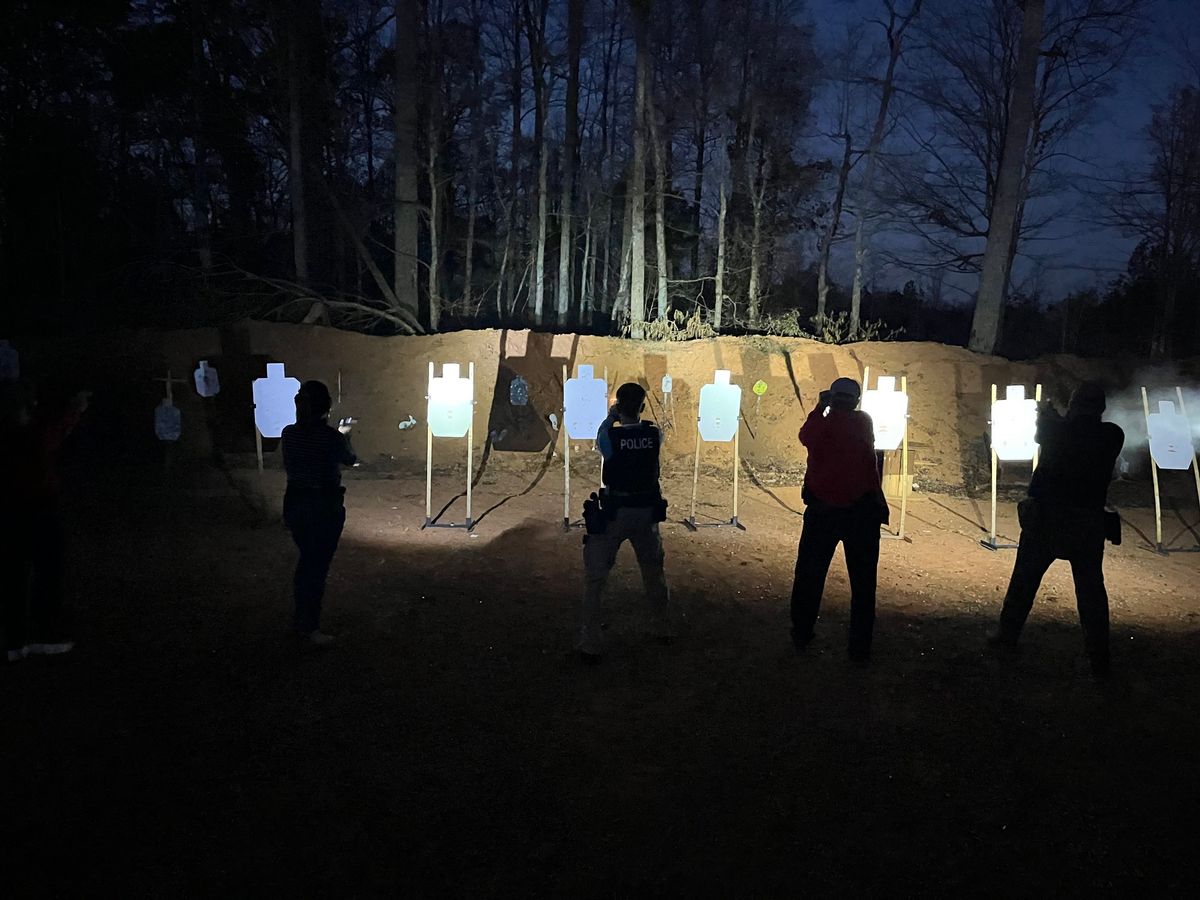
846 386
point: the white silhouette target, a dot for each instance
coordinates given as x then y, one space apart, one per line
208 383
720 406
585 404
274 401
1014 426
168 422
888 409
10 362
451 403
1170 437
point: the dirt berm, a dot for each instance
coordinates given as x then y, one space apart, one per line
383 383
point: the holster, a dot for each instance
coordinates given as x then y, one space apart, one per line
595 517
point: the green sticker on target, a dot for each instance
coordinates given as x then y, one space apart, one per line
760 387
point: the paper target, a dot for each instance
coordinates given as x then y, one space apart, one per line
168 422
275 401
1014 426
1170 437
888 409
208 383
451 403
666 384
10 362
585 404
720 407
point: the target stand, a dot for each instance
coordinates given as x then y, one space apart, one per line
888 409
1013 439
450 413
585 407
718 420
1171 449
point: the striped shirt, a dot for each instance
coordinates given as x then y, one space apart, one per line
314 454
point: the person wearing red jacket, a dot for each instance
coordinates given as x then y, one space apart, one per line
844 503
30 439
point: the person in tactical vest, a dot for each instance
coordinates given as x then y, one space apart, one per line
1064 518
630 508
844 503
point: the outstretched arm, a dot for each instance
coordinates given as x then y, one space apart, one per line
604 434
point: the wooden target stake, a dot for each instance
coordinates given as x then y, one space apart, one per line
1158 544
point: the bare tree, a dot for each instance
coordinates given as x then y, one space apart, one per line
570 160
535 29
894 29
660 217
971 53
1162 207
404 104
637 181
719 283
1003 223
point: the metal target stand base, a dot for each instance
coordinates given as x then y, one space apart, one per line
690 522
469 524
994 545
692 525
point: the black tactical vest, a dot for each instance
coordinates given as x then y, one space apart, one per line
633 467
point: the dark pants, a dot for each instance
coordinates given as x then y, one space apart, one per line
33 580
858 531
1079 539
316 519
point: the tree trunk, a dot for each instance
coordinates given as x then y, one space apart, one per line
200 204
469 248
719 299
536 32
473 165
405 212
623 280
585 287
860 260
985 326
835 218
758 190
296 157
511 239
435 300
433 150
660 218
570 162
895 36
637 232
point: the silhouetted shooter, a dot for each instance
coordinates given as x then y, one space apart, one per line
844 503
313 454
1064 518
630 508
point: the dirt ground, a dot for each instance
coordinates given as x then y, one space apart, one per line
451 745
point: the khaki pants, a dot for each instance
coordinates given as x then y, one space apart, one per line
636 525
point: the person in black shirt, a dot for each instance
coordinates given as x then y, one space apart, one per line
632 508
313 454
1064 518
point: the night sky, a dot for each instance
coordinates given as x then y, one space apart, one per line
1079 252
